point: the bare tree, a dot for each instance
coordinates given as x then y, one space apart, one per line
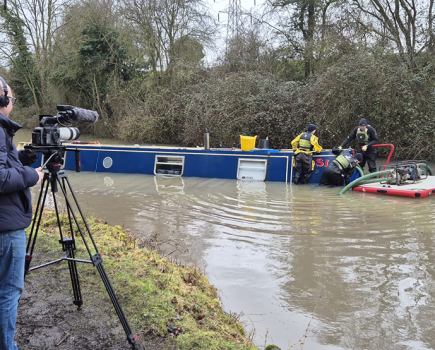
430 30
160 23
408 24
41 19
302 24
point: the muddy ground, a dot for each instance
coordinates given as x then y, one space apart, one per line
48 319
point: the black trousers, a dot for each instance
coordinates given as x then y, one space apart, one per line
332 176
369 157
303 167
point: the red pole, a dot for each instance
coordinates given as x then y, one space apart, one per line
382 145
391 152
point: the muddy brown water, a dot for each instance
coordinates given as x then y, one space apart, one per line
352 272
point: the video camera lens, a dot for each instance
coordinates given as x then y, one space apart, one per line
68 133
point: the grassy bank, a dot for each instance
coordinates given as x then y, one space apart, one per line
160 299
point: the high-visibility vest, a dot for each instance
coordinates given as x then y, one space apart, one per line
362 136
343 161
305 143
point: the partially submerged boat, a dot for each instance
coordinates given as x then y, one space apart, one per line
408 179
223 163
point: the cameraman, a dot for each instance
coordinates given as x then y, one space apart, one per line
16 176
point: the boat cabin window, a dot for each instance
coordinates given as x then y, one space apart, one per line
169 165
252 169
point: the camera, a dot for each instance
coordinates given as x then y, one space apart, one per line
53 130
47 138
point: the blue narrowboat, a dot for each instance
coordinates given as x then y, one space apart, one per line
223 163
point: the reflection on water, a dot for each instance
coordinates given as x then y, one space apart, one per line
165 184
275 252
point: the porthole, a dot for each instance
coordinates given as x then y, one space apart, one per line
107 162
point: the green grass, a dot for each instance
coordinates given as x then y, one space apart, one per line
153 291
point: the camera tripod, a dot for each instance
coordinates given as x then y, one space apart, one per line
55 179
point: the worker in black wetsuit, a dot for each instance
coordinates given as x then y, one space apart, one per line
340 170
367 137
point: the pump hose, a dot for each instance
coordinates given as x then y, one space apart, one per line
372 181
362 179
361 172
429 170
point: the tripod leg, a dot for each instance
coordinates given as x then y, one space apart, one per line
36 221
98 262
75 282
96 258
68 244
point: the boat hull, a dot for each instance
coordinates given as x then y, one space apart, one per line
193 162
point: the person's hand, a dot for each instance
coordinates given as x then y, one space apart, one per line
340 148
40 173
364 148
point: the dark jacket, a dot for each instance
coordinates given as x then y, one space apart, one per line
371 133
337 174
15 180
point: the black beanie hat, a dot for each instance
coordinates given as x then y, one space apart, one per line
359 157
311 127
362 122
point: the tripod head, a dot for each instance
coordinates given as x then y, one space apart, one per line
53 156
